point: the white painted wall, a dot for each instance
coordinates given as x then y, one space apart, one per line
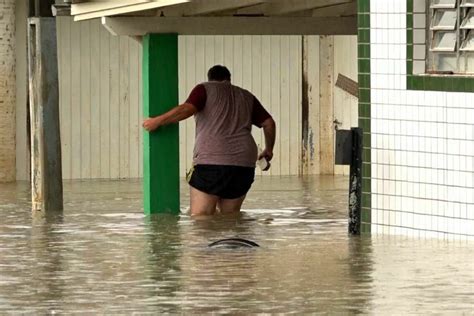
100 84
100 95
327 106
345 105
422 168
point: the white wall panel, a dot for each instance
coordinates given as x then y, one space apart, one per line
268 66
100 95
345 105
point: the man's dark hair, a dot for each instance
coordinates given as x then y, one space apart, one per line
218 73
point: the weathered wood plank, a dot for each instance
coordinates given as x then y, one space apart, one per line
310 156
46 182
326 104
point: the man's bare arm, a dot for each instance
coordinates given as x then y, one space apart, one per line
269 131
174 115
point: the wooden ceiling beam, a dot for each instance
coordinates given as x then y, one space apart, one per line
138 26
344 9
91 10
288 7
204 7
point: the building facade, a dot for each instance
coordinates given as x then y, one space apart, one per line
101 96
417 114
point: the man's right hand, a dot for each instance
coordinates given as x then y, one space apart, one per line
269 130
151 124
268 154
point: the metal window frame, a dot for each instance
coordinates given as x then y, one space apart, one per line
439 12
462 11
467 5
440 6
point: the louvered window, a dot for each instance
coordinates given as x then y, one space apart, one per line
451 35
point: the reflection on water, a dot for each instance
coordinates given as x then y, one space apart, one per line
104 256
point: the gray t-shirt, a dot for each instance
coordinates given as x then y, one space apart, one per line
224 124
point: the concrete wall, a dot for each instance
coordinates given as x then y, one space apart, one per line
7 90
22 150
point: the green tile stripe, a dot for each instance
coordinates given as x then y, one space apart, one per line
449 83
363 18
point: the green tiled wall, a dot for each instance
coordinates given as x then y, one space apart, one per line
364 106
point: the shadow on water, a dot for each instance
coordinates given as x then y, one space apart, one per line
360 264
224 226
47 254
163 257
218 277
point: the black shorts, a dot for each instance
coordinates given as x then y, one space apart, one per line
226 182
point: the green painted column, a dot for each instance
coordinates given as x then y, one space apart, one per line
161 148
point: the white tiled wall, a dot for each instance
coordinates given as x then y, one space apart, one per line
422 141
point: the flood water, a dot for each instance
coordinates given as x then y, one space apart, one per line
104 257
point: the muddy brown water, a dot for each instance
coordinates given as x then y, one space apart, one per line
104 257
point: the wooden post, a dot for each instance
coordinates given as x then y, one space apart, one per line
46 175
327 104
355 182
161 148
310 106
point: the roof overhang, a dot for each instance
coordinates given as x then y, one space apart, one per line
222 17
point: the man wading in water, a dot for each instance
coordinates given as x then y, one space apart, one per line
225 152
